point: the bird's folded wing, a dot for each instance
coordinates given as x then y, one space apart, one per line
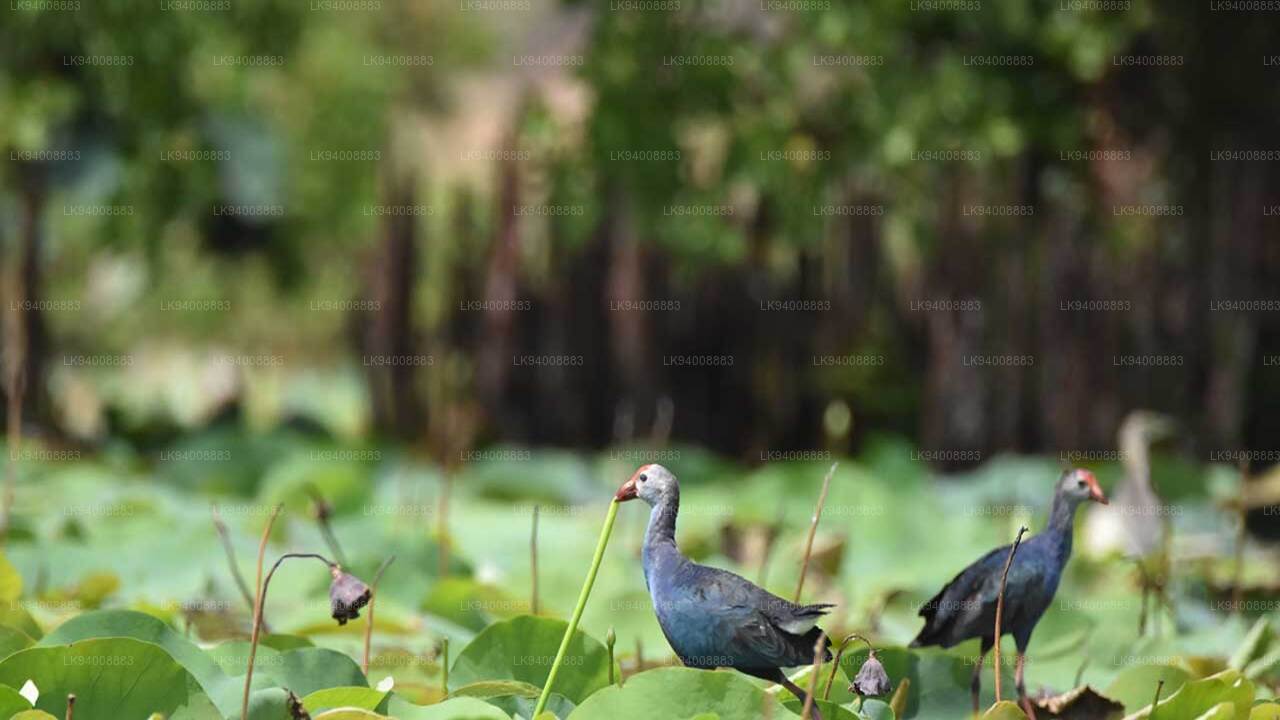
757 640
783 614
975 585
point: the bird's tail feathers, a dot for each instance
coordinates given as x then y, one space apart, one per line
805 618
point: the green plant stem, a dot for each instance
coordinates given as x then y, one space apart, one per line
322 511
533 563
444 666
807 711
1004 579
826 694
577 611
609 641
257 610
225 536
813 530
1242 534
257 617
368 626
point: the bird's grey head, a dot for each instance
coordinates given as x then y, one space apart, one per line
651 483
1080 485
1146 427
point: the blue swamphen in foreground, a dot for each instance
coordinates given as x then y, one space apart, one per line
966 607
713 618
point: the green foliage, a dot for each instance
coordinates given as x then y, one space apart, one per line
522 649
33 715
680 693
343 697
143 627
12 640
452 709
1005 710
159 542
110 677
1134 687
1225 695
10 582
11 701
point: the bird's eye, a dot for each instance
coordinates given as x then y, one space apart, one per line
644 477
1080 483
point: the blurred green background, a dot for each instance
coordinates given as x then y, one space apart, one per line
843 203
439 262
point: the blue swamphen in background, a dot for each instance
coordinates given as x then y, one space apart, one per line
966 607
713 618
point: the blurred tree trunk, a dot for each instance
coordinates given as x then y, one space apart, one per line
1015 277
1195 131
387 338
29 293
497 317
629 330
955 413
1066 354
856 285
1233 336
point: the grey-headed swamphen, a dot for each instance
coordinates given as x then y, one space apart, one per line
713 618
1136 524
966 607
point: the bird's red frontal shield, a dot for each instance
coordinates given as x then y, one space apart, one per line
1095 490
628 489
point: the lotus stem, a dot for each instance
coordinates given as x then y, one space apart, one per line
1156 701
1237 574
839 654
533 563
225 536
368 627
71 706
444 665
1004 578
323 512
442 523
577 610
813 529
818 647
257 611
610 639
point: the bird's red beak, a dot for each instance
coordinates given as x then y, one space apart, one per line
628 489
1095 490
626 492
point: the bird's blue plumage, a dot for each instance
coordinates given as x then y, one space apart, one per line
966 607
714 618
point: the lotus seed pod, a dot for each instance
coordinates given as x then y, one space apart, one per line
347 594
871 679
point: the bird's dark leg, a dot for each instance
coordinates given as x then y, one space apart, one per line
1020 682
775 675
799 693
975 685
